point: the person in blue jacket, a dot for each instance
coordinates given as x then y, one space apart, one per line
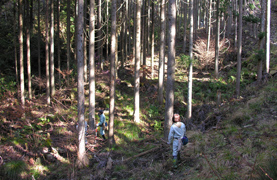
177 131
102 123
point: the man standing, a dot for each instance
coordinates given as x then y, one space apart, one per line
102 123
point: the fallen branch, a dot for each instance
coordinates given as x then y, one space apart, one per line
211 166
141 154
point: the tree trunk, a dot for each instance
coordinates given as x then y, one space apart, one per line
209 24
28 49
15 45
112 75
47 54
137 62
58 40
92 66
82 158
39 63
152 41
52 68
189 111
162 53
68 42
21 62
267 53
260 62
236 25
169 106
99 33
185 26
239 51
85 44
217 38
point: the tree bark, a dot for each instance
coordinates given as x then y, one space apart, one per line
112 74
217 37
92 66
137 62
189 109
68 42
260 62
47 54
82 158
52 68
267 53
239 51
21 60
152 41
209 24
185 26
169 106
162 53
58 40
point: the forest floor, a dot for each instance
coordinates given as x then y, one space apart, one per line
233 139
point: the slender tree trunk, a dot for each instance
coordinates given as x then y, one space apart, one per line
99 33
267 53
47 54
209 25
21 62
185 26
169 106
112 75
85 44
68 42
58 40
189 109
217 38
260 62
144 38
39 63
82 158
92 66
137 62
162 53
152 42
236 24
239 51
15 45
107 30
28 48
52 68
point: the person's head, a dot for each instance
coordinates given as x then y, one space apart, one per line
100 112
176 118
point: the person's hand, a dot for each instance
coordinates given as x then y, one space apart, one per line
168 142
97 125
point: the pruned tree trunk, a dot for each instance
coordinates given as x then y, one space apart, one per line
82 158
92 65
185 27
137 62
217 38
239 51
52 68
267 53
262 41
68 41
28 45
209 24
169 106
162 53
47 54
58 40
112 75
189 109
21 62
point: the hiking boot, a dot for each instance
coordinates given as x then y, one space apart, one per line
174 162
